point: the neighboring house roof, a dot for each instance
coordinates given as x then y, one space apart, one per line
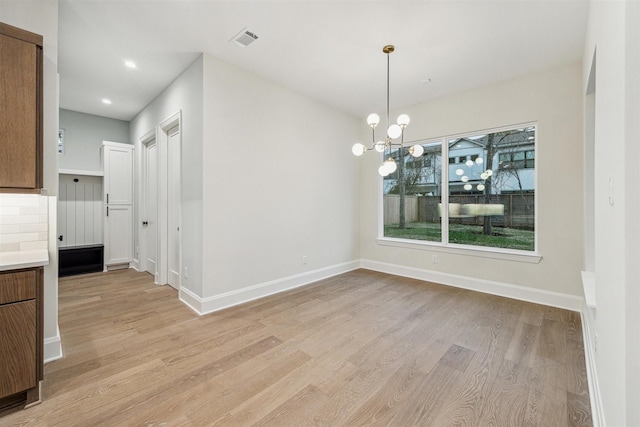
468 143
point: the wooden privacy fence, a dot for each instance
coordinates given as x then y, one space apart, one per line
519 209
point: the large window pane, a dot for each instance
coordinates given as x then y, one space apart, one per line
412 195
491 198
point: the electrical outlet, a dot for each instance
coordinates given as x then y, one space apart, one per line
304 259
434 259
186 272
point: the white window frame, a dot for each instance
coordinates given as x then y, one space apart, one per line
444 246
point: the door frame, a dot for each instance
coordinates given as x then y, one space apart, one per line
163 200
173 134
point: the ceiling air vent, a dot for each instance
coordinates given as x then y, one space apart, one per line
244 38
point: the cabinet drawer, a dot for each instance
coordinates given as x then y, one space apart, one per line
17 286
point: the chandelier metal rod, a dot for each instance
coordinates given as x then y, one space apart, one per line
388 115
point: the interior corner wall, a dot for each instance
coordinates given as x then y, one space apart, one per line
552 99
83 138
280 186
185 94
632 225
614 32
42 18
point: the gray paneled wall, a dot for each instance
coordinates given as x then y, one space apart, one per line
80 210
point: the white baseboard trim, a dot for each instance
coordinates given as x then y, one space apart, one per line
250 293
595 397
538 296
53 348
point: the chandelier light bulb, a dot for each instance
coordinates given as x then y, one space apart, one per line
358 149
480 187
416 150
469 163
459 172
484 175
403 120
382 170
479 160
468 187
391 165
373 119
380 146
464 179
489 172
394 131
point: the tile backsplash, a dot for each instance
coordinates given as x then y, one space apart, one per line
23 222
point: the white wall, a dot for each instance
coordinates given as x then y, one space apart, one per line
267 179
553 99
614 32
41 17
184 94
280 182
84 134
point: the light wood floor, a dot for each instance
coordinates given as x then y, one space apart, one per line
360 348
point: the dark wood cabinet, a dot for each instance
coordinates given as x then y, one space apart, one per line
21 337
20 110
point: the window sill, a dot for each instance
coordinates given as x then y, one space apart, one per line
507 255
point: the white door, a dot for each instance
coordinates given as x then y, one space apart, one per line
150 208
174 202
118 173
118 234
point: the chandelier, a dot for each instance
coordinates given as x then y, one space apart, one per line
394 132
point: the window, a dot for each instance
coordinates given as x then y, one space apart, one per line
488 188
517 160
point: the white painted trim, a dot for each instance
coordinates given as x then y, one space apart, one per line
79 172
117 145
53 348
589 288
467 250
538 296
595 397
191 300
261 290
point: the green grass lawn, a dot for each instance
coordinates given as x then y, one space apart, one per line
508 238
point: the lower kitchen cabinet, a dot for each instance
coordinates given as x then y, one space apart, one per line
21 337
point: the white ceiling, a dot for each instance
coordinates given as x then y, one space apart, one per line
328 50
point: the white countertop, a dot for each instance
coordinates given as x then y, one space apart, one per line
23 259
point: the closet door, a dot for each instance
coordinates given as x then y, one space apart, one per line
117 166
118 175
118 234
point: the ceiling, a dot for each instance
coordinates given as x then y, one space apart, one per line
327 50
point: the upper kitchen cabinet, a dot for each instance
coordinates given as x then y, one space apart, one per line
20 110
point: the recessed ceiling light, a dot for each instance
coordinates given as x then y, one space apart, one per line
106 101
130 64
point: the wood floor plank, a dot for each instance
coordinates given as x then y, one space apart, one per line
380 408
361 348
300 410
506 402
578 410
